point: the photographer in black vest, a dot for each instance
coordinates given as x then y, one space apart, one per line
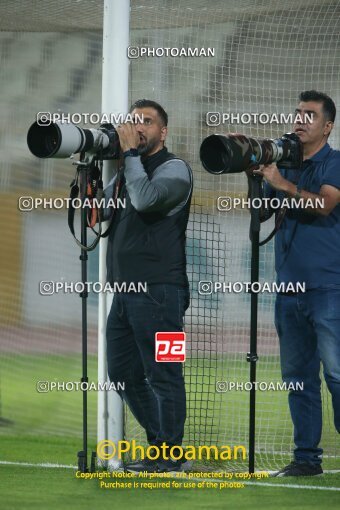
147 244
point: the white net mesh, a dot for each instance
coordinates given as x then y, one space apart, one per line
266 52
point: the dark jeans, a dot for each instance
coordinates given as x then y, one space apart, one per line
308 326
154 391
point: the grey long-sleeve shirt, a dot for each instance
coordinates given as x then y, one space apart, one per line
167 191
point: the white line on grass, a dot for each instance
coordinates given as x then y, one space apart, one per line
43 465
291 486
263 484
266 484
274 452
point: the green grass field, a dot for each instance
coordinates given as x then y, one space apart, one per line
46 428
24 487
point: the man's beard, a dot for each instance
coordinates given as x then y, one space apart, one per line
143 150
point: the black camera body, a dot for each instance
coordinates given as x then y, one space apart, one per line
235 153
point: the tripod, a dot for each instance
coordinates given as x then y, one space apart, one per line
252 357
89 174
85 173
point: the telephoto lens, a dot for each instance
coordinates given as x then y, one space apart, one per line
233 153
62 139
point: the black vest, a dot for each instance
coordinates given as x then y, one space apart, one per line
148 247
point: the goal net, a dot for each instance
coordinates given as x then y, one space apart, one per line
264 53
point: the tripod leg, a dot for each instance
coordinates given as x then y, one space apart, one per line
93 462
82 467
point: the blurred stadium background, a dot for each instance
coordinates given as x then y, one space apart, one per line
266 52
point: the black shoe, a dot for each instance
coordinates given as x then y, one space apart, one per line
167 466
300 469
157 466
150 466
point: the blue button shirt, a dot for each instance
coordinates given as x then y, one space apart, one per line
307 246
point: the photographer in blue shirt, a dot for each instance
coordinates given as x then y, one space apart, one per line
307 249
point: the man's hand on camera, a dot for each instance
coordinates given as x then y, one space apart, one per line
272 175
128 136
249 171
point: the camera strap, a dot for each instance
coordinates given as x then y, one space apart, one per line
94 196
282 212
118 191
74 192
93 186
278 222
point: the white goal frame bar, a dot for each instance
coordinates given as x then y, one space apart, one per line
115 82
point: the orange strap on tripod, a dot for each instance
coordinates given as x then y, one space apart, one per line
92 215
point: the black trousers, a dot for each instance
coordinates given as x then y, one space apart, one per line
154 391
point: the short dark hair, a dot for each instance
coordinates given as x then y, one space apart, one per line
328 105
147 103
